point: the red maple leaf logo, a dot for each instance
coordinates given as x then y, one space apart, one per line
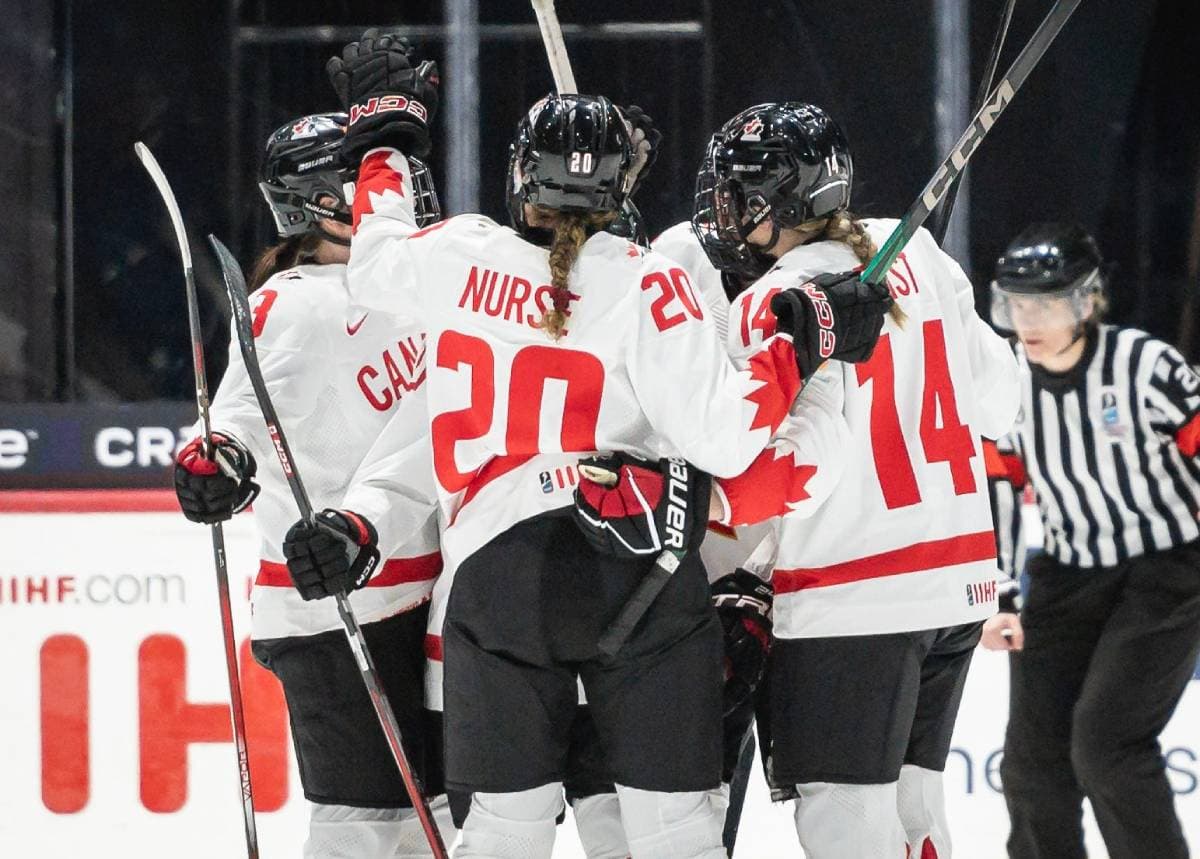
375 176
773 484
774 369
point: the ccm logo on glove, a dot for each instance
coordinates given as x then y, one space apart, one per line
383 104
827 343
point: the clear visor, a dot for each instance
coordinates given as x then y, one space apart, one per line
1063 308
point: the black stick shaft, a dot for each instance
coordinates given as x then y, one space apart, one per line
236 710
235 284
942 218
998 99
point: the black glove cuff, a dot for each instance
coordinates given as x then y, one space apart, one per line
1010 600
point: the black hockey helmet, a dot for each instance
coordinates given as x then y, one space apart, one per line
1048 260
571 153
304 163
788 161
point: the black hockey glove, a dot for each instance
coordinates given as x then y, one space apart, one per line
390 102
743 602
336 554
632 508
832 316
212 490
645 139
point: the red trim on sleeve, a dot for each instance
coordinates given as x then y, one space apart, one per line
433 647
88 501
395 571
930 555
1188 437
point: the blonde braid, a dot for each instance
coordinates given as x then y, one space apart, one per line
570 232
844 227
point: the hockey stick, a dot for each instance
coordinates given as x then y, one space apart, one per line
942 216
556 48
956 161
218 534
235 284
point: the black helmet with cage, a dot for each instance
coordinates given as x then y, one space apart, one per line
1049 261
304 168
787 161
572 153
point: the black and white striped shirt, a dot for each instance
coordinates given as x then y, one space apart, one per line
1099 446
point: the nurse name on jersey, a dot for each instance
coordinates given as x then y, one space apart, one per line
403 371
506 296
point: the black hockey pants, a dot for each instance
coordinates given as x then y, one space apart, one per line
1108 653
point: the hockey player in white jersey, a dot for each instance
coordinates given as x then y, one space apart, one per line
336 373
547 343
879 594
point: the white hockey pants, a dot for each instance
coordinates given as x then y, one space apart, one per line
849 821
345 832
922 806
601 832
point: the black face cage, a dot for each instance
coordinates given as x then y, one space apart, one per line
717 214
426 206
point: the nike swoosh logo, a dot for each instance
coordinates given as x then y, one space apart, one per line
353 329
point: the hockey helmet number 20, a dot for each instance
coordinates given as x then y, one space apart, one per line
571 153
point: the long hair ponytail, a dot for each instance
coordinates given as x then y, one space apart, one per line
844 227
291 252
571 230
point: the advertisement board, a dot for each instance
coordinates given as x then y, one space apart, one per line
115 735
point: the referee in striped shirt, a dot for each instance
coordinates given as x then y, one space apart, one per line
1109 631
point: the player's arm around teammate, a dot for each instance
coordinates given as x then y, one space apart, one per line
1111 623
548 343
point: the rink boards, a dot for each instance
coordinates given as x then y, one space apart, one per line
115 735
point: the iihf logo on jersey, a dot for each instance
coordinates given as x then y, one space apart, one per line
981 593
1110 415
752 130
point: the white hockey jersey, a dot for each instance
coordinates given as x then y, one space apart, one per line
905 542
640 368
812 442
336 374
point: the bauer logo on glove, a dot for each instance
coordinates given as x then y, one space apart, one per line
631 507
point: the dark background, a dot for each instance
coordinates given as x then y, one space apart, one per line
1105 132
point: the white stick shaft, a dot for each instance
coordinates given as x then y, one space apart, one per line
556 49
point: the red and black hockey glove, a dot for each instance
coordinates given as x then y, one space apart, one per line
743 602
212 490
335 554
631 507
390 101
833 316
